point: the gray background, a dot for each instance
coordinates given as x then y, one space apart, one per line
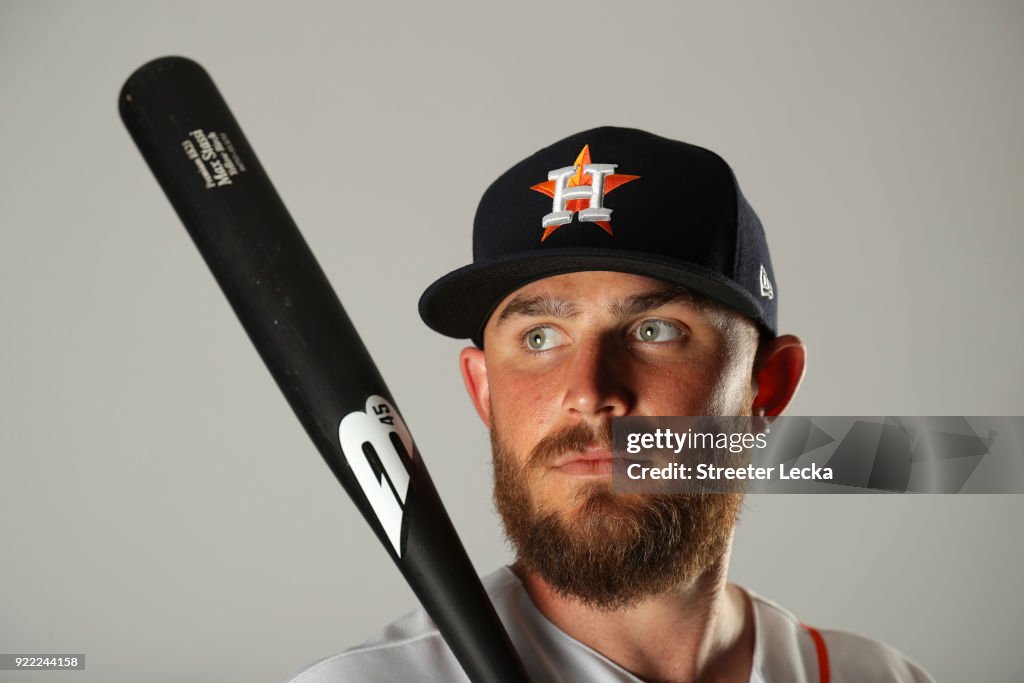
161 509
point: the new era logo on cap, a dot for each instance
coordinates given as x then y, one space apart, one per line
766 285
677 215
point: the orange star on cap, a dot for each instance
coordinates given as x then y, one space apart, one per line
611 182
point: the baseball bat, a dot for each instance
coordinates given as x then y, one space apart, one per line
195 148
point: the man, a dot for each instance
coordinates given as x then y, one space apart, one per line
618 273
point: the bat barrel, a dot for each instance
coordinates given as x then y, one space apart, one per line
283 299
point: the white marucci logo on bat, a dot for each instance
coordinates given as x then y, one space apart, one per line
370 441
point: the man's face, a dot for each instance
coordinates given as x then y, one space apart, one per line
562 357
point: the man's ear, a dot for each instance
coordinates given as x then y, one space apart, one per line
778 370
474 374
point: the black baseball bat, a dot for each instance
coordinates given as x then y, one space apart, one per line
196 150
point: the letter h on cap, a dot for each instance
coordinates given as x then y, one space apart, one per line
594 192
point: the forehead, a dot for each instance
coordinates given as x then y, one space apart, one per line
619 294
588 284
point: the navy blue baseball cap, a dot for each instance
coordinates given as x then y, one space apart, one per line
610 199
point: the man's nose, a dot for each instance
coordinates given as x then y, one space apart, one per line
597 381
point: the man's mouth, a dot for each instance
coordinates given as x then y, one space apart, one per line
595 461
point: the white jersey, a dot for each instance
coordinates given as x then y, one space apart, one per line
411 649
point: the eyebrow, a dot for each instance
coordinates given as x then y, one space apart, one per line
648 301
538 306
544 306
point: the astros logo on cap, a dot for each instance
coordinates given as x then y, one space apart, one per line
580 188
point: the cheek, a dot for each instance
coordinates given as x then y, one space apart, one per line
728 398
524 407
730 388
705 384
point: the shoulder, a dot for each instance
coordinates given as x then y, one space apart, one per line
408 649
857 658
787 650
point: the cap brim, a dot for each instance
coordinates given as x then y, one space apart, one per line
460 303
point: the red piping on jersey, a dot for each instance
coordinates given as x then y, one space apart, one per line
819 646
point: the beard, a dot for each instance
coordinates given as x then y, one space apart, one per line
607 550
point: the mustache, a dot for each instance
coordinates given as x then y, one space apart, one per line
569 440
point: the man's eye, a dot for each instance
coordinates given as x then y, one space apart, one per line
543 338
657 331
